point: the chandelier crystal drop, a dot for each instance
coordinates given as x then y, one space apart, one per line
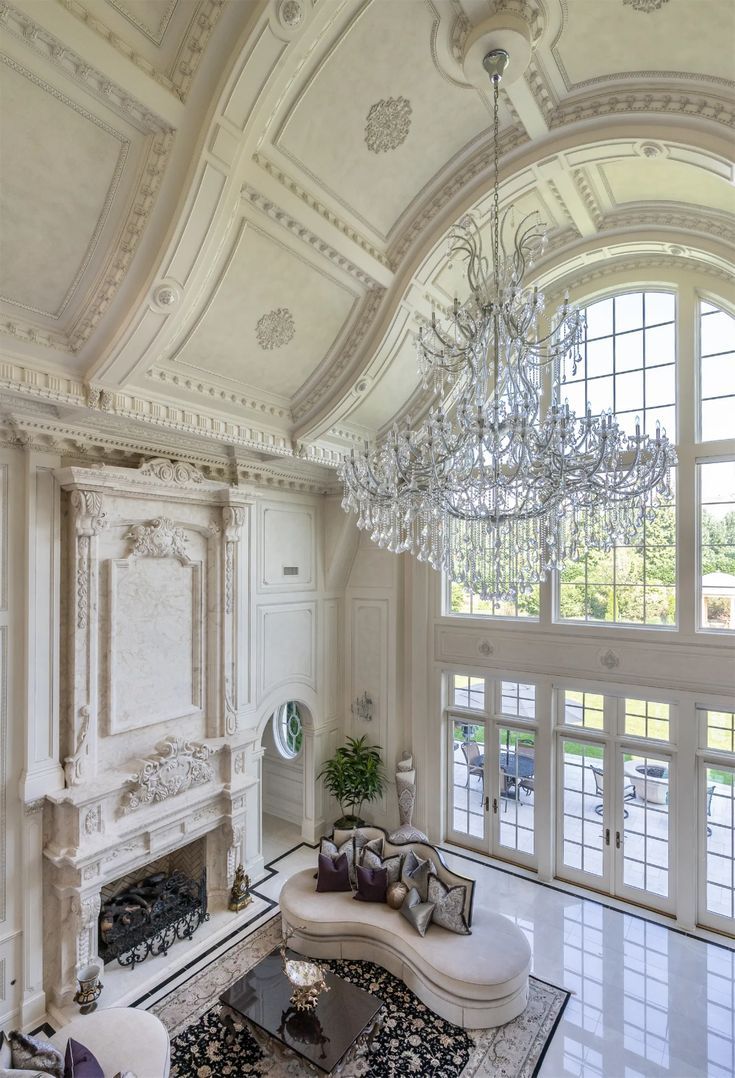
501 482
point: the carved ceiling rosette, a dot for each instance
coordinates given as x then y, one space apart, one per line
176 766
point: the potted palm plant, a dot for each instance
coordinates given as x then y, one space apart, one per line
353 776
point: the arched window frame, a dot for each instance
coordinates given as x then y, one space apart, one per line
288 730
689 287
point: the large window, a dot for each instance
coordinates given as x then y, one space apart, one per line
716 372
462 601
717 544
628 365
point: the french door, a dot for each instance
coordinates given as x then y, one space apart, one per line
491 768
613 822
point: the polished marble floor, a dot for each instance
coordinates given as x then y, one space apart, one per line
647 1001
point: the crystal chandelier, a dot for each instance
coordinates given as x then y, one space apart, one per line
502 482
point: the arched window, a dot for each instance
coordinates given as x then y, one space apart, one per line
640 344
288 731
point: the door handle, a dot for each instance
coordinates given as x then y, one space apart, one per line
487 805
617 840
607 836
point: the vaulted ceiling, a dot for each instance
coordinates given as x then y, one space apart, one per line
223 220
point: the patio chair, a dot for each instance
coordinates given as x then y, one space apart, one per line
628 790
475 761
529 751
710 792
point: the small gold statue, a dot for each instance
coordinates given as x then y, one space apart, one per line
240 896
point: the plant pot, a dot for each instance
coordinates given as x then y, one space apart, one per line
349 823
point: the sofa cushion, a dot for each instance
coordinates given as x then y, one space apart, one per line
392 864
371 884
80 1061
34 1052
417 913
333 875
449 905
415 873
334 850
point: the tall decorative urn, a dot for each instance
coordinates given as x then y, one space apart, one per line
406 791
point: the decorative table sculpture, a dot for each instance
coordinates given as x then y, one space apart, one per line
240 896
306 977
406 790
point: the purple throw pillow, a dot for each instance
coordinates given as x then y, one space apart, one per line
333 875
79 1062
372 883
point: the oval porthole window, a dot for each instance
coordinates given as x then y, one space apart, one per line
288 731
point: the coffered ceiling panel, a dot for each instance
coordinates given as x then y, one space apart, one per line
61 170
615 36
643 181
272 319
378 120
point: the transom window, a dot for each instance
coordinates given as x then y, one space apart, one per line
518 698
646 718
583 709
720 730
468 691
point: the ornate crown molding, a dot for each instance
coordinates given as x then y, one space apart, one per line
95 82
214 391
693 104
159 539
321 209
701 222
188 57
176 766
275 213
576 278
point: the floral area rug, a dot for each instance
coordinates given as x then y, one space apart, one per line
412 1040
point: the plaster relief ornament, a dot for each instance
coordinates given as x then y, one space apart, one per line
647 6
291 14
171 471
387 125
159 539
275 329
176 766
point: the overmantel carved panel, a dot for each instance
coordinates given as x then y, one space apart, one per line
176 766
159 539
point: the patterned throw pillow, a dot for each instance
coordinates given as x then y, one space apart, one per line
32 1053
415 873
417 913
448 906
392 864
329 849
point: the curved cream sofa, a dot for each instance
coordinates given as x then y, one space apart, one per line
475 981
122 1039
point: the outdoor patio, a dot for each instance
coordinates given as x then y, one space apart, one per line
645 837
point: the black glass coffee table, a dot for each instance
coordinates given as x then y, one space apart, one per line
340 1027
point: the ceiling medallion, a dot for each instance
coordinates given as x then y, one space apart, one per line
646 6
387 125
291 14
275 329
